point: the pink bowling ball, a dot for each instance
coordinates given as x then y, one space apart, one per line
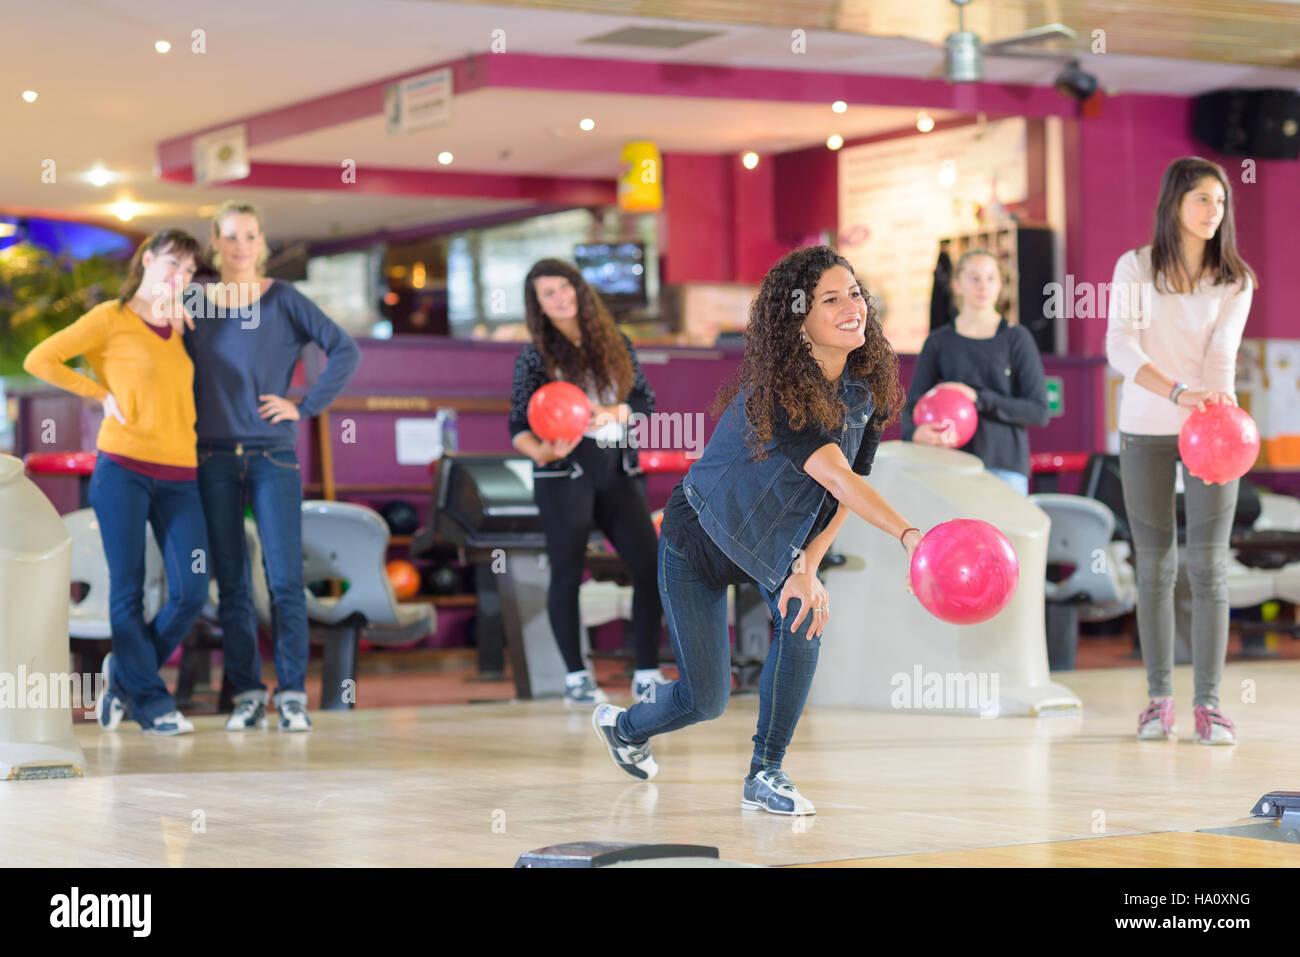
964 571
1219 444
945 404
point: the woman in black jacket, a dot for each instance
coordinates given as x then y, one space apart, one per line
576 484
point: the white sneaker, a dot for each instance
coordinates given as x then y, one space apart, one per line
772 790
645 687
170 724
583 692
249 712
292 706
110 709
637 760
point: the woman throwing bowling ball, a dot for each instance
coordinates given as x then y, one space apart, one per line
802 420
1177 310
589 481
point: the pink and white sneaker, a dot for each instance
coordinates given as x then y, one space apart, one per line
1212 727
1156 723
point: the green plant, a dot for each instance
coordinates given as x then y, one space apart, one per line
41 294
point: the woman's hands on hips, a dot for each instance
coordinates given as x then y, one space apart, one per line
277 409
813 599
111 410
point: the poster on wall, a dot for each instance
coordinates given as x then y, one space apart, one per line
898 198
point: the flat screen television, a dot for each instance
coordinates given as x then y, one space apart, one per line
615 270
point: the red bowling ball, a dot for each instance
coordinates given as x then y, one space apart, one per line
964 571
559 411
1219 444
944 404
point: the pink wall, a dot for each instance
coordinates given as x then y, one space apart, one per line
1114 163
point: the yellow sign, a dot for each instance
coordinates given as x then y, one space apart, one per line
640 188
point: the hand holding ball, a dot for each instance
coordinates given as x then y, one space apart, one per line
964 571
1220 444
945 404
559 411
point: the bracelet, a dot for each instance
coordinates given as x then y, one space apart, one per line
1176 391
904 532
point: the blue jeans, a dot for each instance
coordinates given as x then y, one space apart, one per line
1017 480
697 622
125 502
272 481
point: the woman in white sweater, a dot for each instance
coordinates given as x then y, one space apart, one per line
1177 310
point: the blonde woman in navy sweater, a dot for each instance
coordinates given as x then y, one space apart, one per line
994 364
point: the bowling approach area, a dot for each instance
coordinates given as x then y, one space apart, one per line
478 785
1039 769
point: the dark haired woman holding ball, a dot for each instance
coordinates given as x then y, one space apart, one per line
591 481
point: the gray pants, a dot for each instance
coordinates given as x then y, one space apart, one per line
1147 464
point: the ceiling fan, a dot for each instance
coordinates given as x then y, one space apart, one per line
964 51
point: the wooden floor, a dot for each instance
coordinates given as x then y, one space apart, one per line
477 785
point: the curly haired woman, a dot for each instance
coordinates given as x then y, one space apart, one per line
802 421
590 481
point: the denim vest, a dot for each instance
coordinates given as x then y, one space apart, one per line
760 513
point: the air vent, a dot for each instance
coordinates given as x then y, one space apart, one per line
660 37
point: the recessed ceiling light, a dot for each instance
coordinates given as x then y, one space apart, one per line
587 125
924 122
162 46
445 158
125 210
29 96
839 106
100 176
834 141
750 160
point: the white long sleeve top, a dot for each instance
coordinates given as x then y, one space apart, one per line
1190 337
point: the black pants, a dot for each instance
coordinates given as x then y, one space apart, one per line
611 499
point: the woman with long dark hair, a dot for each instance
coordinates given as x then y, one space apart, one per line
1177 312
591 481
145 472
245 343
797 435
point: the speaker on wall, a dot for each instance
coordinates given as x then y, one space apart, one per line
1263 124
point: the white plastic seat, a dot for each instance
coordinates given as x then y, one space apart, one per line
1080 536
1248 587
1287 583
89 617
261 592
344 541
1277 513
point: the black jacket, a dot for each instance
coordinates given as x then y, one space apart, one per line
530 375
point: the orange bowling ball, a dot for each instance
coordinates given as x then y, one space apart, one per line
404 579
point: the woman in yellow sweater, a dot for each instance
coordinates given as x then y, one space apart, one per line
146 471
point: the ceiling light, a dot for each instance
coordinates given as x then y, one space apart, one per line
445 158
125 210
587 125
750 160
839 106
924 122
834 141
100 176
162 46
29 96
